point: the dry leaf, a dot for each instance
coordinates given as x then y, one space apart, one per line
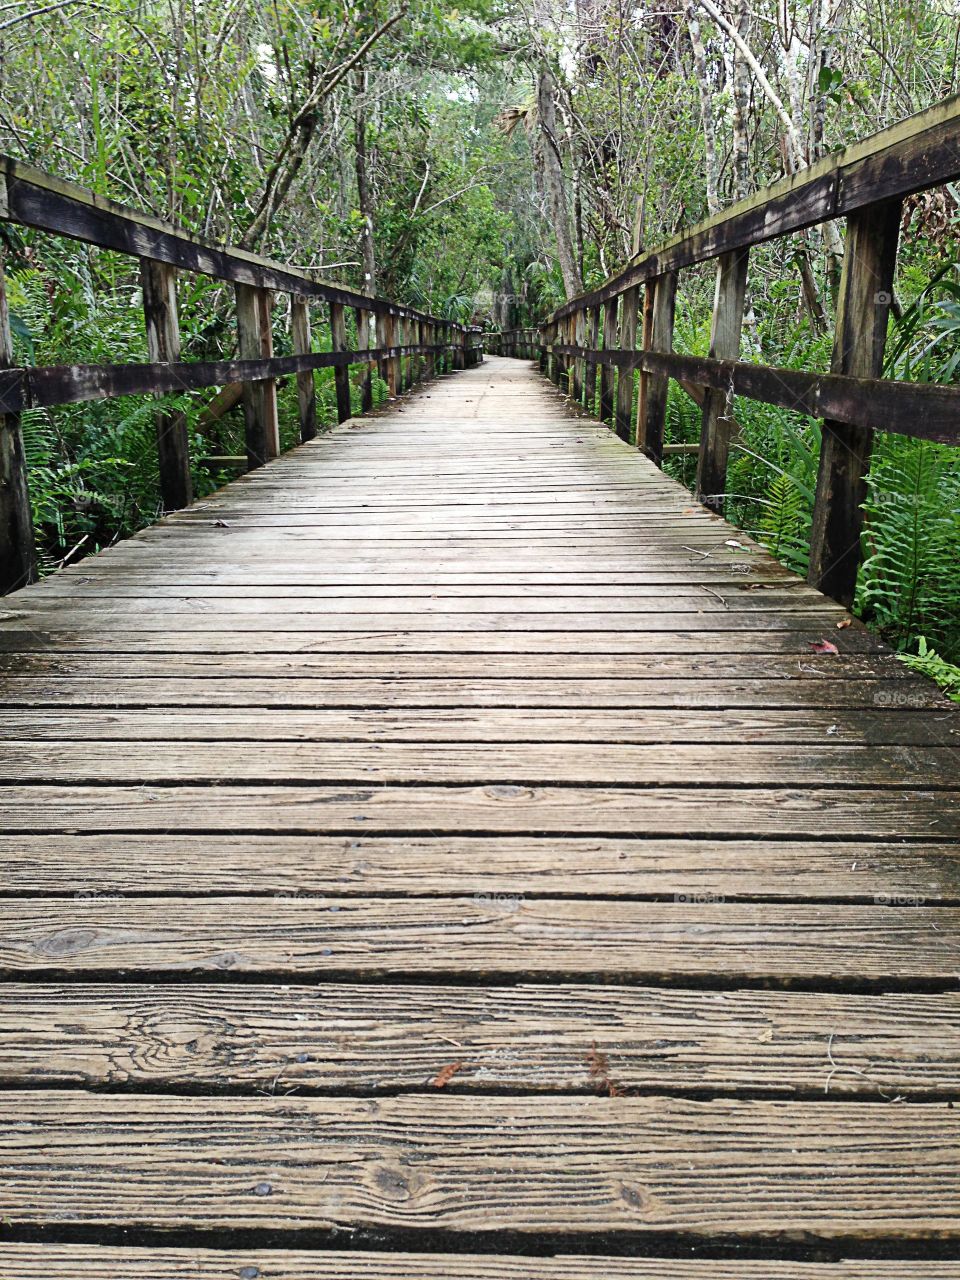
823 646
446 1075
598 1063
844 622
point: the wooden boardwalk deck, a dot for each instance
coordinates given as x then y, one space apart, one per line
444 849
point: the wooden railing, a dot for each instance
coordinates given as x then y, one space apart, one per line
407 345
523 344
595 334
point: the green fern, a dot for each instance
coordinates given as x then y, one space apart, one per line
785 522
929 663
909 582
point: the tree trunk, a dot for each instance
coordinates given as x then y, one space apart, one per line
368 248
549 148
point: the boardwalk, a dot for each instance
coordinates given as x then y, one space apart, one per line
446 841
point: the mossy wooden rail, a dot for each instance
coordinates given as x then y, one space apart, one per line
866 183
406 344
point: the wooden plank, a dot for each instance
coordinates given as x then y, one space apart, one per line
319 692
704 870
665 811
568 1166
930 768
207 721
561 1039
469 666
103 1262
491 936
159 286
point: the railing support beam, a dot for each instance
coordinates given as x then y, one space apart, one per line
866 290
607 371
718 426
625 380
18 558
341 374
159 285
306 385
655 385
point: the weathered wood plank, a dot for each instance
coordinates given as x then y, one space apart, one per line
561 1039
559 866
483 936
93 1262
928 768
386 692
210 722
631 1166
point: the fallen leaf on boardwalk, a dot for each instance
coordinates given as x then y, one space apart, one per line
823 646
220 524
446 1075
844 622
598 1063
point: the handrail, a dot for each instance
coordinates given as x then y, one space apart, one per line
595 334
523 344
406 344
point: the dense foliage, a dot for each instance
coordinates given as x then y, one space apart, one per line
482 159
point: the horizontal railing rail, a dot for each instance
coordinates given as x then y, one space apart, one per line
523 344
404 343
594 337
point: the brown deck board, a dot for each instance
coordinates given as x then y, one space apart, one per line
463 737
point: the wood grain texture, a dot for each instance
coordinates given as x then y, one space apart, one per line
481 936
368 806
378 1039
553 866
463 1164
86 1262
464 736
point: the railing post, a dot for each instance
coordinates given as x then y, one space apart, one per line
302 346
717 426
650 437
341 372
625 379
259 398
268 386
384 336
458 359
866 290
591 340
18 558
607 371
363 344
578 364
542 352
159 285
